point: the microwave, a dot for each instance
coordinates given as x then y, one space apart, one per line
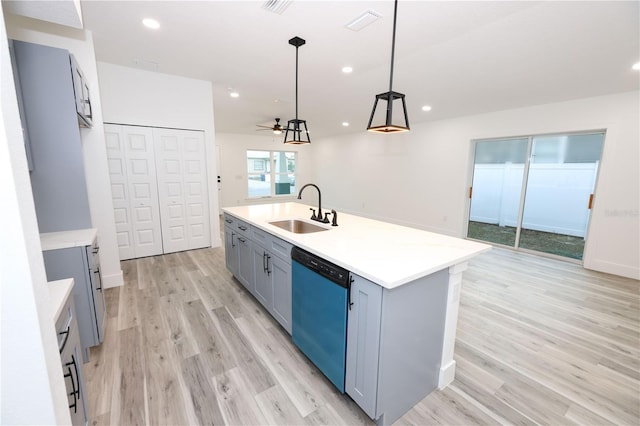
81 92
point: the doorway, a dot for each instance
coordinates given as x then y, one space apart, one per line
535 193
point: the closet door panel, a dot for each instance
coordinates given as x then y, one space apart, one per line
182 188
141 169
119 190
134 190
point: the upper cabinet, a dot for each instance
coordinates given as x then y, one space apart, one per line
81 94
46 93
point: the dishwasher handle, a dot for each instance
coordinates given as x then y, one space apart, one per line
349 302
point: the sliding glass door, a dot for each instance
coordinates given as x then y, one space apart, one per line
495 193
538 196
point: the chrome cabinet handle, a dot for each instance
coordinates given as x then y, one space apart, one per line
232 243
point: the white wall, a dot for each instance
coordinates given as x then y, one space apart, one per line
32 390
138 97
80 44
233 167
421 178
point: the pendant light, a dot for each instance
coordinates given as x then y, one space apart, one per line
297 127
390 96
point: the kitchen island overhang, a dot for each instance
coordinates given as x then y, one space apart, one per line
418 275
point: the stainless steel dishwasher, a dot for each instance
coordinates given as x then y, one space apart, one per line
320 293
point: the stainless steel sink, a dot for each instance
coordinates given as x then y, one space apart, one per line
298 226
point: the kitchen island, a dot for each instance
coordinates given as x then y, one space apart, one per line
405 297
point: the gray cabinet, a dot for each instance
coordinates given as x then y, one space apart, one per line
238 251
230 250
70 350
363 342
262 263
83 265
272 267
48 109
394 344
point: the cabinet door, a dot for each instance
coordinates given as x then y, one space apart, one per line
281 277
72 263
262 267
230 250
363 341
245 263
93 263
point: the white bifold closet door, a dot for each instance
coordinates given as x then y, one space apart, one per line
182 188
134 190
159 189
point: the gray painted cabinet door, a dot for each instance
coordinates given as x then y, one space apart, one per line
245 263
230 250
281 273
363 341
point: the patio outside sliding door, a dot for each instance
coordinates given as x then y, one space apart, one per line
535 193
498 173
560 183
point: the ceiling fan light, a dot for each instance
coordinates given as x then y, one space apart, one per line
277 131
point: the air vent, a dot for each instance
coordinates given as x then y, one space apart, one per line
366 18
276 6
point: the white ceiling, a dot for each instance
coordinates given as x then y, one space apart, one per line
460 57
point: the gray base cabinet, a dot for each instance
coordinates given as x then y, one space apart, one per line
70 350
238 251
81 264
394 344
262 263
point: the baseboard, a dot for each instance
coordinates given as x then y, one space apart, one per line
447 374
113 280
613 268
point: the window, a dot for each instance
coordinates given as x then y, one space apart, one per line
271 173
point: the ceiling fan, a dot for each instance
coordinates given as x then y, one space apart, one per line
276 128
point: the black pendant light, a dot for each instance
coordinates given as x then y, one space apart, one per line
296 132
390 96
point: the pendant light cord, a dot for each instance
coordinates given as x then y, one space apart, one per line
296 87
393 44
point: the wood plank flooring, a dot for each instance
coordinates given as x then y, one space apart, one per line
539 341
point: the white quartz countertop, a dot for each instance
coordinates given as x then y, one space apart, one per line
387 254
67 239
59 292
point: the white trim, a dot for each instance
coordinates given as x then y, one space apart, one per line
113 280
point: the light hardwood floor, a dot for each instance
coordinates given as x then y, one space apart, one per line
539 341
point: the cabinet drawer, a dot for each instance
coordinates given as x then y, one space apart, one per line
229 221
243 228
64 323
281 248
260 237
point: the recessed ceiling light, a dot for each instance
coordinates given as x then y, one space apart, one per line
636 66
345 124
234 94
426 108
151 23
347 70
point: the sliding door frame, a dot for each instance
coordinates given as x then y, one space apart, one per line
523 193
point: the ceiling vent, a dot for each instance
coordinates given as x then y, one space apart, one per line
276 6
366 18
